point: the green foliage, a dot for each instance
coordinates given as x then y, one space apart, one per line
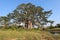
58 25
29 12
51 27
13 27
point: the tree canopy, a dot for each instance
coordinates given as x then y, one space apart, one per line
30 12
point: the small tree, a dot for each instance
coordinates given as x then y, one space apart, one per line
58 25
5 20
51 22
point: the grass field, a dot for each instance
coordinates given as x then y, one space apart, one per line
52 29
25 35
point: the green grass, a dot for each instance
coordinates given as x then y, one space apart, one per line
25 35
58 29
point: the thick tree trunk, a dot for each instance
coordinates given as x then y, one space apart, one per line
51 24
5 25
28 24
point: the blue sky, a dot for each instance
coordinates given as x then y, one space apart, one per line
7 6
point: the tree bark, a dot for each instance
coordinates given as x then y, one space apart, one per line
28 24
5 25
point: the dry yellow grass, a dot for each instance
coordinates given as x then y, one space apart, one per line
25 35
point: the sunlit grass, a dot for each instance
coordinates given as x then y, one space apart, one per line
25 35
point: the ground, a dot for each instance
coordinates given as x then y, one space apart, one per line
25 35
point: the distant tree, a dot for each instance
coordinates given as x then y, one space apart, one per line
5 20
58 25
51 22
